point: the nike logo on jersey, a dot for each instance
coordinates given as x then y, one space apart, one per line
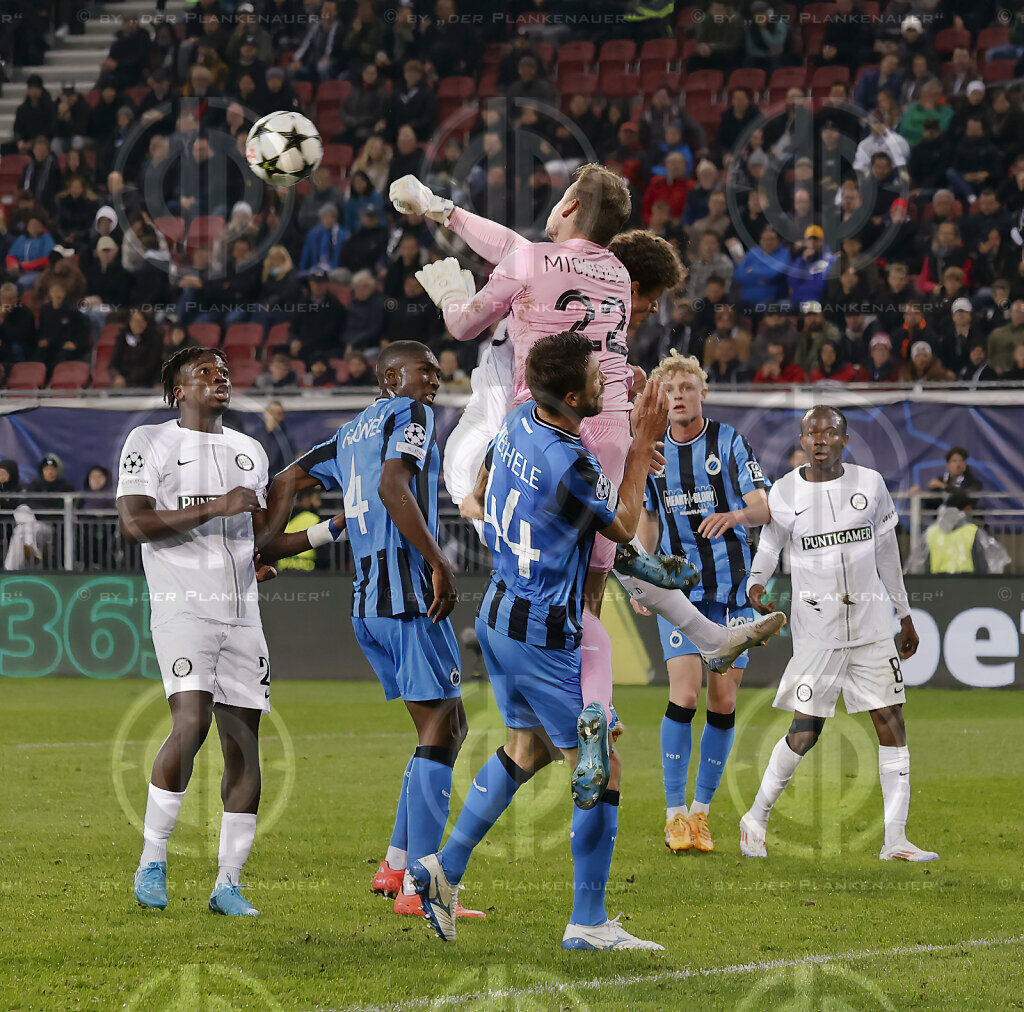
482 790
797 513
182 463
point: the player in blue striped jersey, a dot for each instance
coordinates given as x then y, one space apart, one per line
387 463
711 492
543 498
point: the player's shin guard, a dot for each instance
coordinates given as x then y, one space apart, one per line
894 773
707 636
397 855
493 789
675 754
162 808
715 745
781 767
237 831
429 798
596 664
593 840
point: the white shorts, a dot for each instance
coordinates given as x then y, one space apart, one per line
230 661
868 676
463 456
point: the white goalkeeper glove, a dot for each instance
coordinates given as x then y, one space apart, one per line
444 280
410 196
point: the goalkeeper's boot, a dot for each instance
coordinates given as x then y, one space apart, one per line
440 898
744 636
593 759
752 837
388 880
150 886
226 899
610 935
701 832
673 572
677 833
904 850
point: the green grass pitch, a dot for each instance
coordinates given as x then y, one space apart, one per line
75 759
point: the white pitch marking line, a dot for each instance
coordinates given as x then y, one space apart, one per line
676 975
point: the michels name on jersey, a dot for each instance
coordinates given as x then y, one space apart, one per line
514 460
585 268
184 501
835 538
690 502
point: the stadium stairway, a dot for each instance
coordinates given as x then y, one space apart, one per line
77 57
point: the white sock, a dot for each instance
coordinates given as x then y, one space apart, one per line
699 806
777 776
894 773
395 858
671 813
162 808
237 830
707 636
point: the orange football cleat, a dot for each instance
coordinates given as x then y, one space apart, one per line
388 880
701 832
411 904
677 833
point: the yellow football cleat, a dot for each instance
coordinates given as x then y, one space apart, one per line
677 834
701 832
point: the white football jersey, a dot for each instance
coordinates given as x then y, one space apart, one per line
832 528
207 572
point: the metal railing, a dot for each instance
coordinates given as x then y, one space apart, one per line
80 539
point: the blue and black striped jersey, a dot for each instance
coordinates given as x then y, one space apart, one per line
709 474
546 498
392 578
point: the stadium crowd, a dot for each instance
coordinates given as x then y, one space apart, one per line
843 181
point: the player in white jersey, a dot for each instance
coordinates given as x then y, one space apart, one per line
840 523
191 490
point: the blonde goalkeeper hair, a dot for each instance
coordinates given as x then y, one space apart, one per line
674 363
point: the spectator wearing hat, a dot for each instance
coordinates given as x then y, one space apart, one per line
247 25
765 39
106 280
916 41
318 322
807 275
247 62
137 354
929 106
872 80
50 481
975 105
719 37
35 117
72 119
1003 341
975 163
958 335
923 366
881 366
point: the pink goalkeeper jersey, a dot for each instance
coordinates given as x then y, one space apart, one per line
546 288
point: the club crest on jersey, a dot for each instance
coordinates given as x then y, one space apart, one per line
603 488
132 463
244 462
804 692
712 465
455 677
181 668
415 434
859 501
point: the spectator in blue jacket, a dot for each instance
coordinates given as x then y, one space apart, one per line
361 194
29 253
807 275
323 244
761 274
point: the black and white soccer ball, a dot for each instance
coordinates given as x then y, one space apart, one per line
283 148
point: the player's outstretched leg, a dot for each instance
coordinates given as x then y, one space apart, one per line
240 790
672 572
593 841
191 713
391 871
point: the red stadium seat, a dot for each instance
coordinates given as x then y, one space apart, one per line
299 368
243 337
488 86
869 8
663 50
453 94
101 367
812 36
280 333
172 228
787 77
989 38
825 77
687 18
493 53
817 13
545 52
576 53
26 376
751 78
108 335
618 53
618 84
998 70
652 78
707 113
70 376
28 300
703 82
207 334
329 123
338 156
952 38
244 373
332 93
304 92
578 84
205 231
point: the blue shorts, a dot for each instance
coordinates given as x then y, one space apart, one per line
533 686
675 644
414 658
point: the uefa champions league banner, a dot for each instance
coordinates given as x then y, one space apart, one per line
905 437
97 626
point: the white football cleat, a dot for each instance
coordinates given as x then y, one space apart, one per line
745 636
752 837
610 935
904 850
440 898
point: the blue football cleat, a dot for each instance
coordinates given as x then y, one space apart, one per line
440 898
593 762
673 572
226 899
150 885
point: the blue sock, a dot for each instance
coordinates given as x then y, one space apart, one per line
593 840
715 743
430 789
400 834
492 792
675 753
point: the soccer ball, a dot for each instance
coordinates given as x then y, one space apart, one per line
283 148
